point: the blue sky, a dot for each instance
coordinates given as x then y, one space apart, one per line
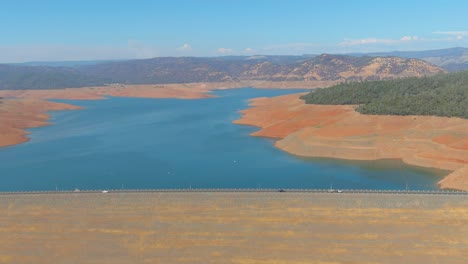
116 29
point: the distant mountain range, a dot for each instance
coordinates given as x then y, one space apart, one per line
453 59
321 68
62 63
325 67
45 77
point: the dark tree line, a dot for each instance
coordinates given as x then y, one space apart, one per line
439 95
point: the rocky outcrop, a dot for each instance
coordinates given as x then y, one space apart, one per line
342 68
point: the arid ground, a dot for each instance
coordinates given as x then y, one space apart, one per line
233 228
338 131
304 130
22 109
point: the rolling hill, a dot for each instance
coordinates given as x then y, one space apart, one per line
452 59
165 70
439 95
44 77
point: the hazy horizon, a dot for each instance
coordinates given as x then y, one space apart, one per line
54 30
91 61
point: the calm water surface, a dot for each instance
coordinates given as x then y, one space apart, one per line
170 143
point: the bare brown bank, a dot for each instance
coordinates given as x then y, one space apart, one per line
307 130
17 115
340 132
233 228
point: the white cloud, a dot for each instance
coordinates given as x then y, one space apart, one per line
141 50
366 41
457 34
370 41
249 50
224 50
300 46
452 33
185 47
409 38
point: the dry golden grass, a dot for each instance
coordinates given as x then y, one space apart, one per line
233 228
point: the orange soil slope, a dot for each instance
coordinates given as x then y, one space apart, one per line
181 91
92 93
29 109
340 132
19 114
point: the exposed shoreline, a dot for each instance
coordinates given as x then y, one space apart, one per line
335 131
25 109
303 130
17 115
180 91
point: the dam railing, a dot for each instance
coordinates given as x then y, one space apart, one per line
240 190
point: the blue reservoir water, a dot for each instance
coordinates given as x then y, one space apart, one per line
171 143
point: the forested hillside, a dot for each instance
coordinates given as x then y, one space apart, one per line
439 95
43 77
